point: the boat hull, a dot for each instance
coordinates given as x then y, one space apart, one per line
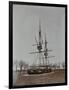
38 71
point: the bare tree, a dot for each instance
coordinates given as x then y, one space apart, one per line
54 66
16 64
58 65
21 64
63 65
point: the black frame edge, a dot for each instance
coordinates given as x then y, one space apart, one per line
66 45
10 44
38 4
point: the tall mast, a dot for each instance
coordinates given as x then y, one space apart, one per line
45 43
39 32
40 38
46 51
39 47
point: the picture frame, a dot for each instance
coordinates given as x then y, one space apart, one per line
37 11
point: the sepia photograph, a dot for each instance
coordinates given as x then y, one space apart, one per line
38 41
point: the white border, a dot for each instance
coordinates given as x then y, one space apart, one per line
4 43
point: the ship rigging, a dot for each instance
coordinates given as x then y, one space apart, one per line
43 66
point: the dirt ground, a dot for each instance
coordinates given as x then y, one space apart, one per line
57 76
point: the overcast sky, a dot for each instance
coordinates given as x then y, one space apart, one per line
26 27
